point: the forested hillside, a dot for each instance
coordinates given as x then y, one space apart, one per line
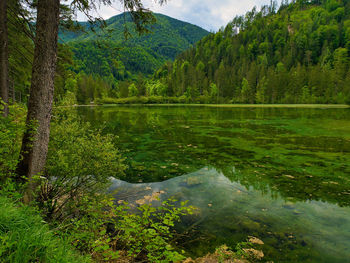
97 62
296 54
105 52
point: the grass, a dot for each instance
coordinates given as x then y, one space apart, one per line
340 106
25 237
142 100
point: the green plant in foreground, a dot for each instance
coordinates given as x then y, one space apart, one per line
80 162
25 237
108 231
11 130
150 232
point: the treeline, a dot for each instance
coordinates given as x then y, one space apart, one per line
107 62
296 54
99 63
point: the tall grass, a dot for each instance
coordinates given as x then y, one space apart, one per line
25 237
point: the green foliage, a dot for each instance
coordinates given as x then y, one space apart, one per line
21 50
150 231
214 92
11 130
80 161
245 91
68 99
271 58
71 197
107 54
24 237
143 100
89 89
133 91
109 231
156 88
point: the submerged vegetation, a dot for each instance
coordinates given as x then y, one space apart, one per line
277 173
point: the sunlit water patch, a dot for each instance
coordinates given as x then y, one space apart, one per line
281 174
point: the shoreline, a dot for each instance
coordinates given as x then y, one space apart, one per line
324 106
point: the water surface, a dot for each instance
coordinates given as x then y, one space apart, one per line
281 174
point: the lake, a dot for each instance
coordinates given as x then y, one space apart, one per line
280 174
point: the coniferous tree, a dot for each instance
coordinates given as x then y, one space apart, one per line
4 55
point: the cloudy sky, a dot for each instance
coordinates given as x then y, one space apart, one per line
209 14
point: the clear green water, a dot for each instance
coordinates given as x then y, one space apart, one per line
281 174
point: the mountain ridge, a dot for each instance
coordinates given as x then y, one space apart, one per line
138 54
110 21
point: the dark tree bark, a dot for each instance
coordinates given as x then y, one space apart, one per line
4 56
36 137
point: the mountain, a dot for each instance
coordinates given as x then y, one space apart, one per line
296 54
107 54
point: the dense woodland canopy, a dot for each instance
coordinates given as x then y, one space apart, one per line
296 54
106 55
105 51
96 60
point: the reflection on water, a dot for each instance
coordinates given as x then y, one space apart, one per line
290 184
294 231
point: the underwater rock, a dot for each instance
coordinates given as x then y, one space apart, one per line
255 240
288 205
149 198
222 254
297 212
192 181
256 254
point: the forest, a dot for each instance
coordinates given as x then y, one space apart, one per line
296 53
302 45
95 59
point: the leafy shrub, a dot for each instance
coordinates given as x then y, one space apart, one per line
80 162
130 100
11 130
149 233
109 231
144 100
347 101
24 237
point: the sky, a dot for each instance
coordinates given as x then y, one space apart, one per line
209 14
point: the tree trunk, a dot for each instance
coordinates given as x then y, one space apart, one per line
4 56
36 137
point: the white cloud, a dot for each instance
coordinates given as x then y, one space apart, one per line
209 14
